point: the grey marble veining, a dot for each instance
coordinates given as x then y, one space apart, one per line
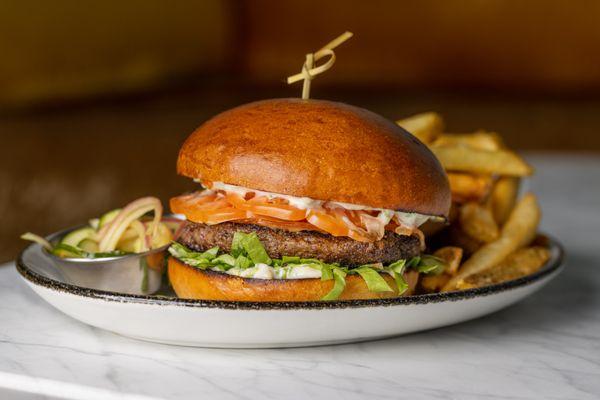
547 346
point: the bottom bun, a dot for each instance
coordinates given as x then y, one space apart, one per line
193 283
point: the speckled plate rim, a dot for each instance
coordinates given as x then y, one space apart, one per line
553 265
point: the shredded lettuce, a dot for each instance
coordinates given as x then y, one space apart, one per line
339 284
374 281
250 244
243 262
430 265
225 259
290 260
326 272
248 252
401 283
397 268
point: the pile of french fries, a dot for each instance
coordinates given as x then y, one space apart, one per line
492 235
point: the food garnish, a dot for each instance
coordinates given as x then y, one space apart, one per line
117 232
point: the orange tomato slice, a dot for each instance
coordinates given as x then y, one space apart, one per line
262 206
217 216
208 209
331 224
193 200
217 207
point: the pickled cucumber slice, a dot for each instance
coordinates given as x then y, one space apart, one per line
89 245
77 236
65 251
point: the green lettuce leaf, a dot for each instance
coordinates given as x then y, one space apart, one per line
431 265
210 254
413 262
400 283
248 244
193 258
339 284
225 259
237 247
242 262
326 272
398 266
374 281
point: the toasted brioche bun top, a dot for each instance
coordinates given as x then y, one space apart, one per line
319 149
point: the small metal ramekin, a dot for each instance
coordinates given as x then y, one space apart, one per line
138 273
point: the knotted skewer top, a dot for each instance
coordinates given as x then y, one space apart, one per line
309 70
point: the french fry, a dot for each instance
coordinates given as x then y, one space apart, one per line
478 222
468 187
468 159
522 262
481 140
433 283
451 256
519 230
426 126
503 198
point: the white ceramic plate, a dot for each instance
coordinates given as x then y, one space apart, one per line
252 325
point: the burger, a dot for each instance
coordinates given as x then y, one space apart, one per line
305 200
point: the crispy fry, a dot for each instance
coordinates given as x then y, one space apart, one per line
467 159
451 256
520 263
478 222
504 197
468 187
426 126
433 283
518 231
481 140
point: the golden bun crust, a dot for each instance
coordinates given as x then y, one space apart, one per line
319 149
192 283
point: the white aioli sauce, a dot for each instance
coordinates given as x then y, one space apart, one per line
264 271
411 220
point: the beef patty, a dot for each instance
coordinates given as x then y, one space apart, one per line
305 244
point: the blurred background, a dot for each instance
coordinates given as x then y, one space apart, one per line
96 97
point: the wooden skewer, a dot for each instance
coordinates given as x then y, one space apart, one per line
309 71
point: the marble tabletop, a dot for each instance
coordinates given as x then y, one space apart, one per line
546 347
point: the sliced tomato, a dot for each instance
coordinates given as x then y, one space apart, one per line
354 216
262 206
217 216
194 200
331 224
236 200
353 220
215 207
208 209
